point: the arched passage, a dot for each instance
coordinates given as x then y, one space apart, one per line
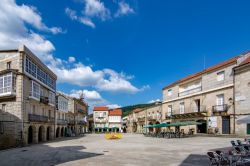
62 132
41 134
202 128
30 135
57 132
48 134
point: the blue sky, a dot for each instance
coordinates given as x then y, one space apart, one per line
124 52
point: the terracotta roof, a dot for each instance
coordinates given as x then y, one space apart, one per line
137 110
101 108
115 112
225 63
245 61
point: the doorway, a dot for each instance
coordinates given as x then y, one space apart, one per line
197 105
225 124
202 128
30 135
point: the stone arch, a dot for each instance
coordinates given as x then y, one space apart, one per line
31 134
62 132
48 133
57 132
41 134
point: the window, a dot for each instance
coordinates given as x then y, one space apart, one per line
220 99
35 90
182 108
6 83
4 107
34 70
221 76
220 102
52 97
33 109
43 111
170 92
49 113
169 110
8 65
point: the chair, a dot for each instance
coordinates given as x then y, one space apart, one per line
233 143
214 160
223 159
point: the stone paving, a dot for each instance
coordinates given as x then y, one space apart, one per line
132 150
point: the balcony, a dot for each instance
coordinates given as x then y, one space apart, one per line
71 122
220 108
61 122
190 91
151 117
82 122
7 85
97 120
140 119
38 118
44 100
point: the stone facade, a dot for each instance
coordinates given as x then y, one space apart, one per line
206 97
27 112
101 116
77 116
242 97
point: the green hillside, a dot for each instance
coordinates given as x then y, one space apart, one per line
126 110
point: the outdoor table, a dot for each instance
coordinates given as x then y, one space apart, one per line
233 158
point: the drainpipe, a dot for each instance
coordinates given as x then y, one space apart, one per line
23 103
234 127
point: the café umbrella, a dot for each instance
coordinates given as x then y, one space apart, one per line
244 120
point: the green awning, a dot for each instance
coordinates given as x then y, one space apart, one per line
187 123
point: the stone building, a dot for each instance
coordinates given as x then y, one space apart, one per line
115 119
27 98
153 115
101 117
242 96
61 110
77 116
206 97
140 120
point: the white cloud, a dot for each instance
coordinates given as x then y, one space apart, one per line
113 106
72 59
87 22
124 9
115 82
71 13
84 20
96 8
153 101
23 14
90 96
14 32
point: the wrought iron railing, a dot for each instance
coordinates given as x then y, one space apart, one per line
220 108
38 118
62 121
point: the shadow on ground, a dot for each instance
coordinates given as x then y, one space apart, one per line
44 155
196 160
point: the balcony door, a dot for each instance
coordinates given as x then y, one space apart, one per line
169 110
220 102
197 105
